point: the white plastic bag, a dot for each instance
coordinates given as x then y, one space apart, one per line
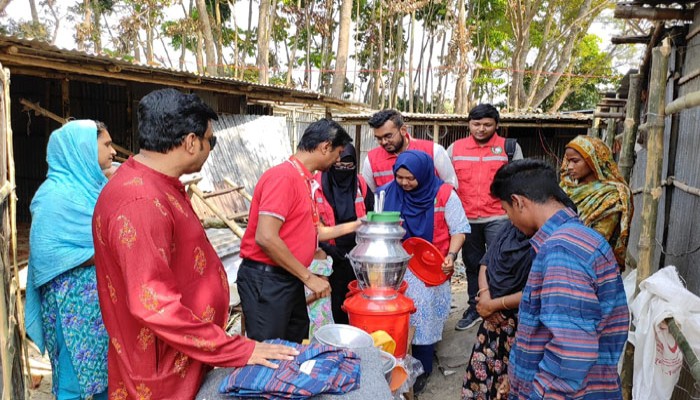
657 357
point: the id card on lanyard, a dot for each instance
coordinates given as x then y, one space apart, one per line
311 186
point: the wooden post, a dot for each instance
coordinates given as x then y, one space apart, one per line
595 128
358 145
13 349
436 133
631 124
230 224
652 184
610 133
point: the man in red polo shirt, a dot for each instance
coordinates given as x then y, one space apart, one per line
393 138
282 236
476 160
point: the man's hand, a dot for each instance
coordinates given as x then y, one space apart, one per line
320 287
266 351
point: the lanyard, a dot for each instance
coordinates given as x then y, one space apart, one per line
309 186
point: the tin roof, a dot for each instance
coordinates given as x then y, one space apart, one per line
34 57
563 119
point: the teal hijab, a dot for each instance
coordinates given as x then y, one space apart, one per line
61 233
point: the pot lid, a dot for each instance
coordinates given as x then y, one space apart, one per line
426 263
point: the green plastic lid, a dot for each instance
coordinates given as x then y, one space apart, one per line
386 216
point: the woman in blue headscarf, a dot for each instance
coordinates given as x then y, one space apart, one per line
62 310
430 210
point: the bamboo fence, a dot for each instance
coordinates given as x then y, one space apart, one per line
13 349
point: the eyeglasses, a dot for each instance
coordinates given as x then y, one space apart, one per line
387 137
212 142
345 166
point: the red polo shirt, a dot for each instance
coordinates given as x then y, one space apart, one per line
283 192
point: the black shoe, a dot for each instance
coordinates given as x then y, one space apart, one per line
420 383
469 319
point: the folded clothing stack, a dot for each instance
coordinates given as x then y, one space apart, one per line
317 369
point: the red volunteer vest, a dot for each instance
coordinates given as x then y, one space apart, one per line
476 166
382 162
325 211
441 233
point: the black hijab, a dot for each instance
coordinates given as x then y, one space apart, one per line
508 261
340 188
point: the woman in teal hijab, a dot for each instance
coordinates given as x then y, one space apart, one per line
63 311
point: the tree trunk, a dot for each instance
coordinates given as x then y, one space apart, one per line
380 67
209 46
428 71
565 92
410 62
35 14
263 42
441 93
398 58
341 60
461 100
219 39
3 5
198 56
307 72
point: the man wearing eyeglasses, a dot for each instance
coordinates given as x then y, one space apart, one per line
162 288
392 136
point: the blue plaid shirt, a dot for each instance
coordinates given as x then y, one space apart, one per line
573 317
317 369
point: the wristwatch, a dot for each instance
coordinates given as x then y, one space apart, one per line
453 254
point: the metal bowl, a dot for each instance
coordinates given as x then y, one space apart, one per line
341 335
379 274
388 364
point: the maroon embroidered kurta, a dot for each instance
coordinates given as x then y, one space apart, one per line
163 290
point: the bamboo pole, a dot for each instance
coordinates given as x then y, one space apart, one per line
13 346
231 225
652 189
631 123
655 152
652 14
610 133
688 101
240 189
690 357
41 111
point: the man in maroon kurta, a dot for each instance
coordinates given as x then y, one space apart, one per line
162 288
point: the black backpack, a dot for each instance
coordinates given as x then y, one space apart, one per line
511 144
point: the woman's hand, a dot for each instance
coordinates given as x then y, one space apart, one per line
486 306
448 266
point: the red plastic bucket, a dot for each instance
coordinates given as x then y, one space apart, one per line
392 316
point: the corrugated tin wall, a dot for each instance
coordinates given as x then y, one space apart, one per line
543 143
684 217
247 145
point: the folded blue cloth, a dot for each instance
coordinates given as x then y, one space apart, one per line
317 369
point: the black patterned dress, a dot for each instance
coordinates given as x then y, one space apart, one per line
488 363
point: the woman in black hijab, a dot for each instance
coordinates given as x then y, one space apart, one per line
344 197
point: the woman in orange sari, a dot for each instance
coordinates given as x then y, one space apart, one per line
590 177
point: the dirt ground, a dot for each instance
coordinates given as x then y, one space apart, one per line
445 383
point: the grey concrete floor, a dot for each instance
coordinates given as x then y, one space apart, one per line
452 354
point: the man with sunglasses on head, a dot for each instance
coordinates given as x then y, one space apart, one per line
392 136
163 291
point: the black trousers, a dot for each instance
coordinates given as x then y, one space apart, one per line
273 302
342 275
473 251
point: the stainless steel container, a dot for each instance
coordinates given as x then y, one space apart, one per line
379 260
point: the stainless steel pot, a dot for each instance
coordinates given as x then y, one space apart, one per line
379 261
